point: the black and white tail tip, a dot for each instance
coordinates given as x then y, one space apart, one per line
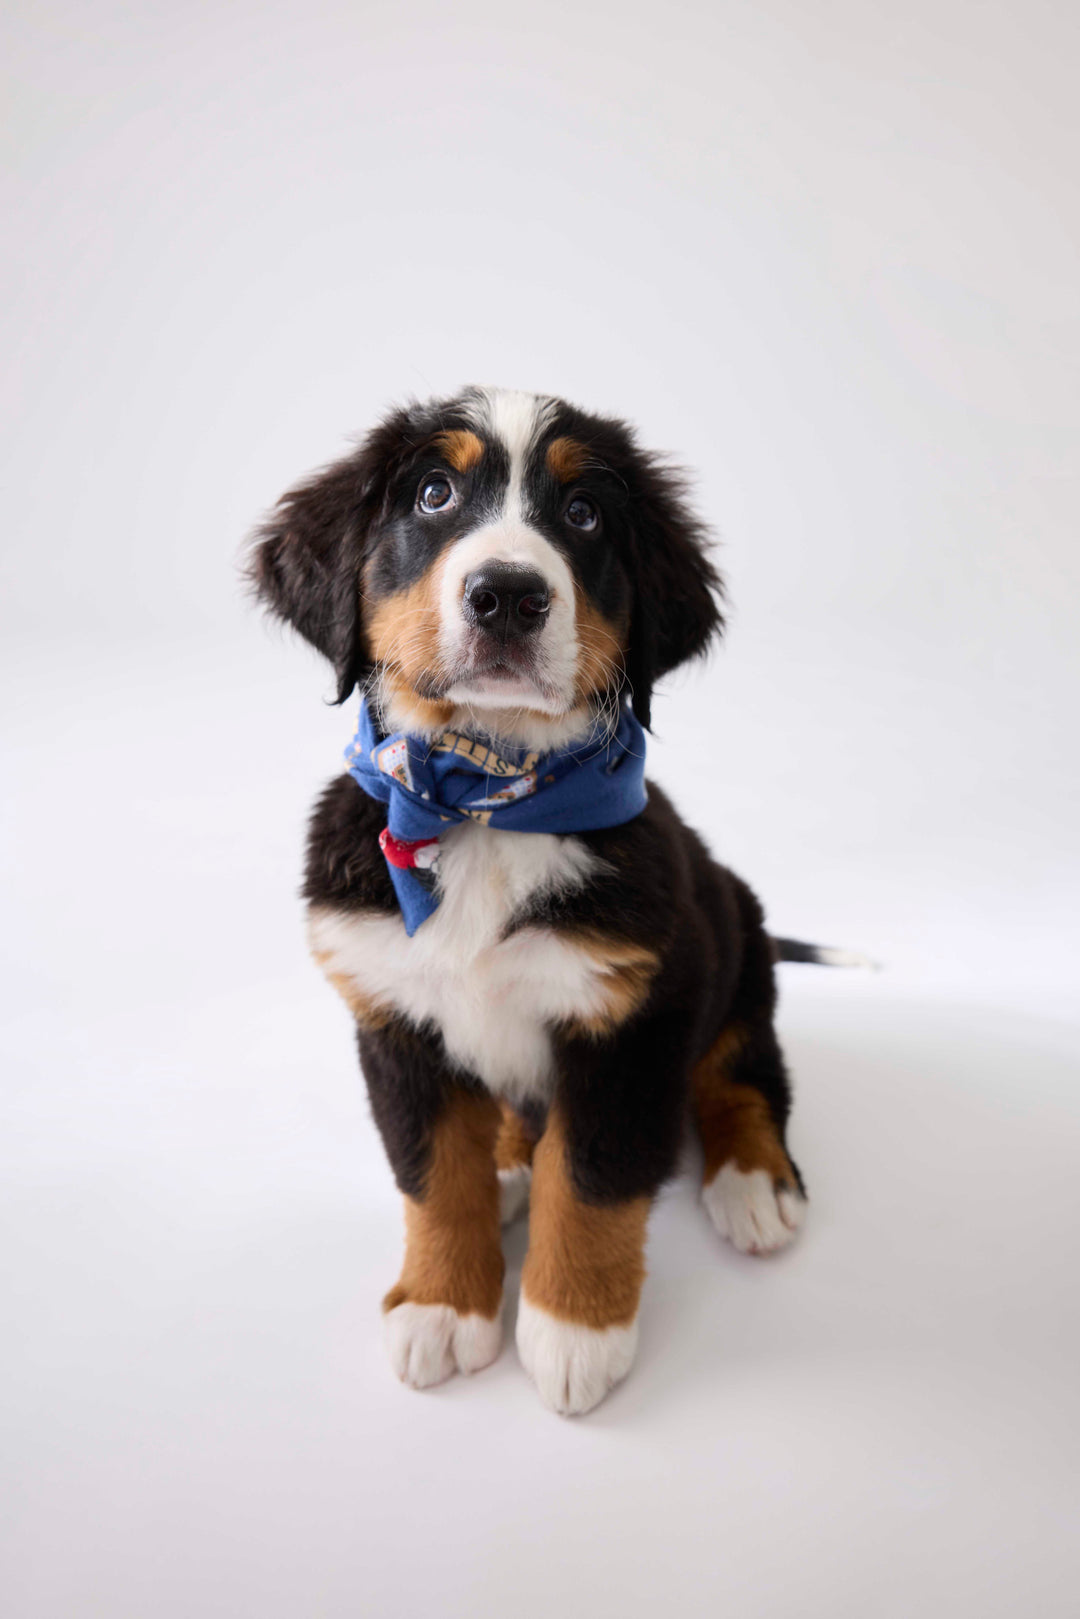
821 955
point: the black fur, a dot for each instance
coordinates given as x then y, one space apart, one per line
345 868
409 1082
675 590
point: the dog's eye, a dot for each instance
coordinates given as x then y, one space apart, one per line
582 514
436 495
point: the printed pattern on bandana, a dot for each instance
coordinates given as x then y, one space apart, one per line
429 786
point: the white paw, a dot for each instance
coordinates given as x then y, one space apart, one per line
572 1366
427 1342
747 1210
513 1192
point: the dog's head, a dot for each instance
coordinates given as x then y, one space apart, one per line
500 559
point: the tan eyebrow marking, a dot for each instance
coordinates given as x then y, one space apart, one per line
566 458
461 448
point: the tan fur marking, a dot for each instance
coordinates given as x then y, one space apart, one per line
367 1012
734 1120
515 1146
411 710
403 633
461 448
585 1263
627 971
453 1252
601 649
566 459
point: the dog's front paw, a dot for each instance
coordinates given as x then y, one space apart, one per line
573 1366
427 1343
755 1213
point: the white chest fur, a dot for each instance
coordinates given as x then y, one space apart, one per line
494 1000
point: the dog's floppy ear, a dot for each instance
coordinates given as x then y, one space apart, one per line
306 559
677 591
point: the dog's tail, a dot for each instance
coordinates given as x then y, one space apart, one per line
821 955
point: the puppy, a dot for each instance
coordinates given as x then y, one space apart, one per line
547 970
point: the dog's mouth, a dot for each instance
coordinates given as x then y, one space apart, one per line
496 675
501 662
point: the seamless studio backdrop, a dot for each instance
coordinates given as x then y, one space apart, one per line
827 254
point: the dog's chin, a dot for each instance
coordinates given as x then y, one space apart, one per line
509 690
515 710
509 707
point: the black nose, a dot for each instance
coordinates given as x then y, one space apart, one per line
508 601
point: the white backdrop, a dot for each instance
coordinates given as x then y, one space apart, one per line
827 254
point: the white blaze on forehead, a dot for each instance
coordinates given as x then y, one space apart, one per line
516 420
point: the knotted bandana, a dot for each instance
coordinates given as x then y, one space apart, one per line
431 786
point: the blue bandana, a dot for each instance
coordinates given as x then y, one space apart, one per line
432 785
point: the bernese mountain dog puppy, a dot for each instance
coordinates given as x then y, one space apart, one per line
548 972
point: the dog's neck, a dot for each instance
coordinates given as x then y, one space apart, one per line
510 727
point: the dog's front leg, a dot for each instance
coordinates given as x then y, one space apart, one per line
445 1312
580 1286
611 1138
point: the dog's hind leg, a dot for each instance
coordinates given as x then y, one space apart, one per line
752 1189
741 1098
514 1147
